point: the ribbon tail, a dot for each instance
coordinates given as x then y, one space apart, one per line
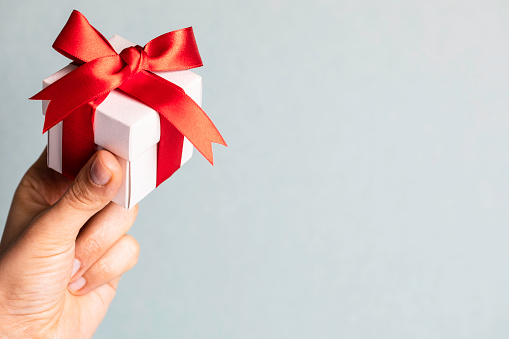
174 105
84 84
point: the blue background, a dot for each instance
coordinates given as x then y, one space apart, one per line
365 189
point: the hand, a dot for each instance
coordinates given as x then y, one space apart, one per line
63 251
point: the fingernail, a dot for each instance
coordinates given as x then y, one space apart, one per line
77 285
99 173
75 267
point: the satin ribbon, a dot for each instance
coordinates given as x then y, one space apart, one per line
75 96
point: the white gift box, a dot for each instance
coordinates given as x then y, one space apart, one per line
129 129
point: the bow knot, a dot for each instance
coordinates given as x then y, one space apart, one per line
135 58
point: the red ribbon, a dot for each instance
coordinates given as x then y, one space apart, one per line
75 96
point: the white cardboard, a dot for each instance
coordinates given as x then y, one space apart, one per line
128 129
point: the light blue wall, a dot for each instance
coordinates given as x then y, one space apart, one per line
365 191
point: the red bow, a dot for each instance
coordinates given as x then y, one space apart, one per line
75 96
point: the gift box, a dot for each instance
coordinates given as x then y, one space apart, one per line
140 103
128 129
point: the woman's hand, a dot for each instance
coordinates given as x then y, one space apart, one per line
63 251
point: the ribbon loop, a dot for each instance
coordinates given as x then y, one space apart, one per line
135 58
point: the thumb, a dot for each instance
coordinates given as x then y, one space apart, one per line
91 191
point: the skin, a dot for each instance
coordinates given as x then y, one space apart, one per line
54 227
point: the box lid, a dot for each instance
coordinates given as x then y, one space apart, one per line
124 125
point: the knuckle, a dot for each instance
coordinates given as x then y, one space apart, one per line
103 270
79 195
134 247
91 247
